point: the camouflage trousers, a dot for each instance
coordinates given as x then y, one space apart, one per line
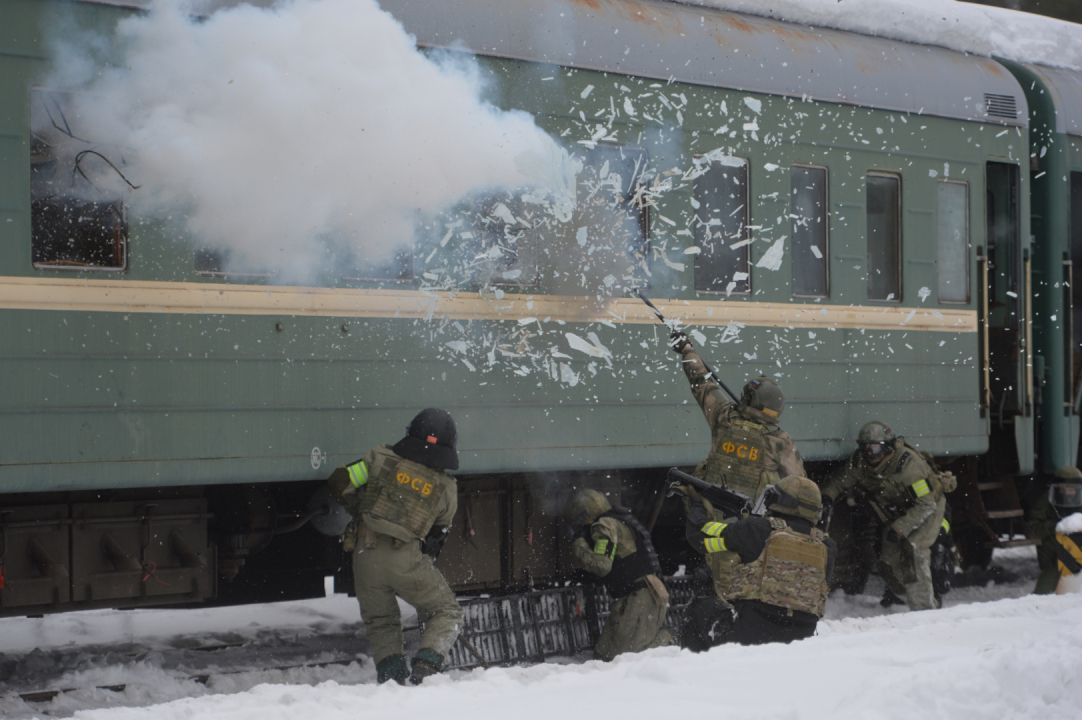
636 623
382 572
906 566
1042 520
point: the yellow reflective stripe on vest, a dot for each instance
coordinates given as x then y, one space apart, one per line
920 488
946 525
714 529
358 474
715 544
604 547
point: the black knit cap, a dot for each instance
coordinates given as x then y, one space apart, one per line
431 439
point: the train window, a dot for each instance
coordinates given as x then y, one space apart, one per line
397 269
220 262
505 238
77 215
512 239
611 223
721 225
884 214
952 230
808 213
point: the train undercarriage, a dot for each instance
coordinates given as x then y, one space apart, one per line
236 544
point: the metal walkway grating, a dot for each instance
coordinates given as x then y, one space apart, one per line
535 626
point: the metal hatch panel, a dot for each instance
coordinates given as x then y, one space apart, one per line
1066 88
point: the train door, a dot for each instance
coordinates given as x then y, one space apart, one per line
1007 374
1075 295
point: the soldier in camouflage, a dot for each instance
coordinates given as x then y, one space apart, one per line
621 553
403 502
1041 518
748 450
906 493
779 588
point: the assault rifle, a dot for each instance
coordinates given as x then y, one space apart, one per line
729 503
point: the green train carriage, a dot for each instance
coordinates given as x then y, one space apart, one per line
165 411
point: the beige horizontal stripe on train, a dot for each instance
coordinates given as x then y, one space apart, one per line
111 295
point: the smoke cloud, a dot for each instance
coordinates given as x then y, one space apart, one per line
289 135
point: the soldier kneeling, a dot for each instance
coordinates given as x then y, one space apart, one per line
778 590
621 553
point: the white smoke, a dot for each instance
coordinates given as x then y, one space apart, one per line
282 132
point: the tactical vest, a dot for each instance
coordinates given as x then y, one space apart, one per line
402 492
627 571
789 573
738 457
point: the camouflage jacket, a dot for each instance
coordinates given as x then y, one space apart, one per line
899 488
606 529
729 424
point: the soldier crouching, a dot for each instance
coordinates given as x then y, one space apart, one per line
907 494
779 587
621 553
403 503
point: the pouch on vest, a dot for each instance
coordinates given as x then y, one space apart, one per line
349 537
942 481
657 589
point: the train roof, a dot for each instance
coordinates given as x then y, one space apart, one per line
1066 88
705 46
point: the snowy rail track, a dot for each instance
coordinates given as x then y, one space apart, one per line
65 665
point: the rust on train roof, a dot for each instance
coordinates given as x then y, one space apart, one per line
705 46
1066 89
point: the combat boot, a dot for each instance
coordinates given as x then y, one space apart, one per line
889 598
392 668
425 663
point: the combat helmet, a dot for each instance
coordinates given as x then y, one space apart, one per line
875 441
584 506
1065 493
796 495
764 395
431 439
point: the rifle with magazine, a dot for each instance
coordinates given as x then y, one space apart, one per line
729 503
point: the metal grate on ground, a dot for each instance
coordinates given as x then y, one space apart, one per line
535 626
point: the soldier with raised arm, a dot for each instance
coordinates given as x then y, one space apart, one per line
748 450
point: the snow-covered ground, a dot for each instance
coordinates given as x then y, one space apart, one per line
993 652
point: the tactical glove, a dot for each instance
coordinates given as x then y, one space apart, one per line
679 342
433 542
894 536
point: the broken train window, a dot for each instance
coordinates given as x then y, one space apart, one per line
592 242
221 262
721 224
611 222
76 207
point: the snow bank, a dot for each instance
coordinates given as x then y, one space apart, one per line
1007 659
960 26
